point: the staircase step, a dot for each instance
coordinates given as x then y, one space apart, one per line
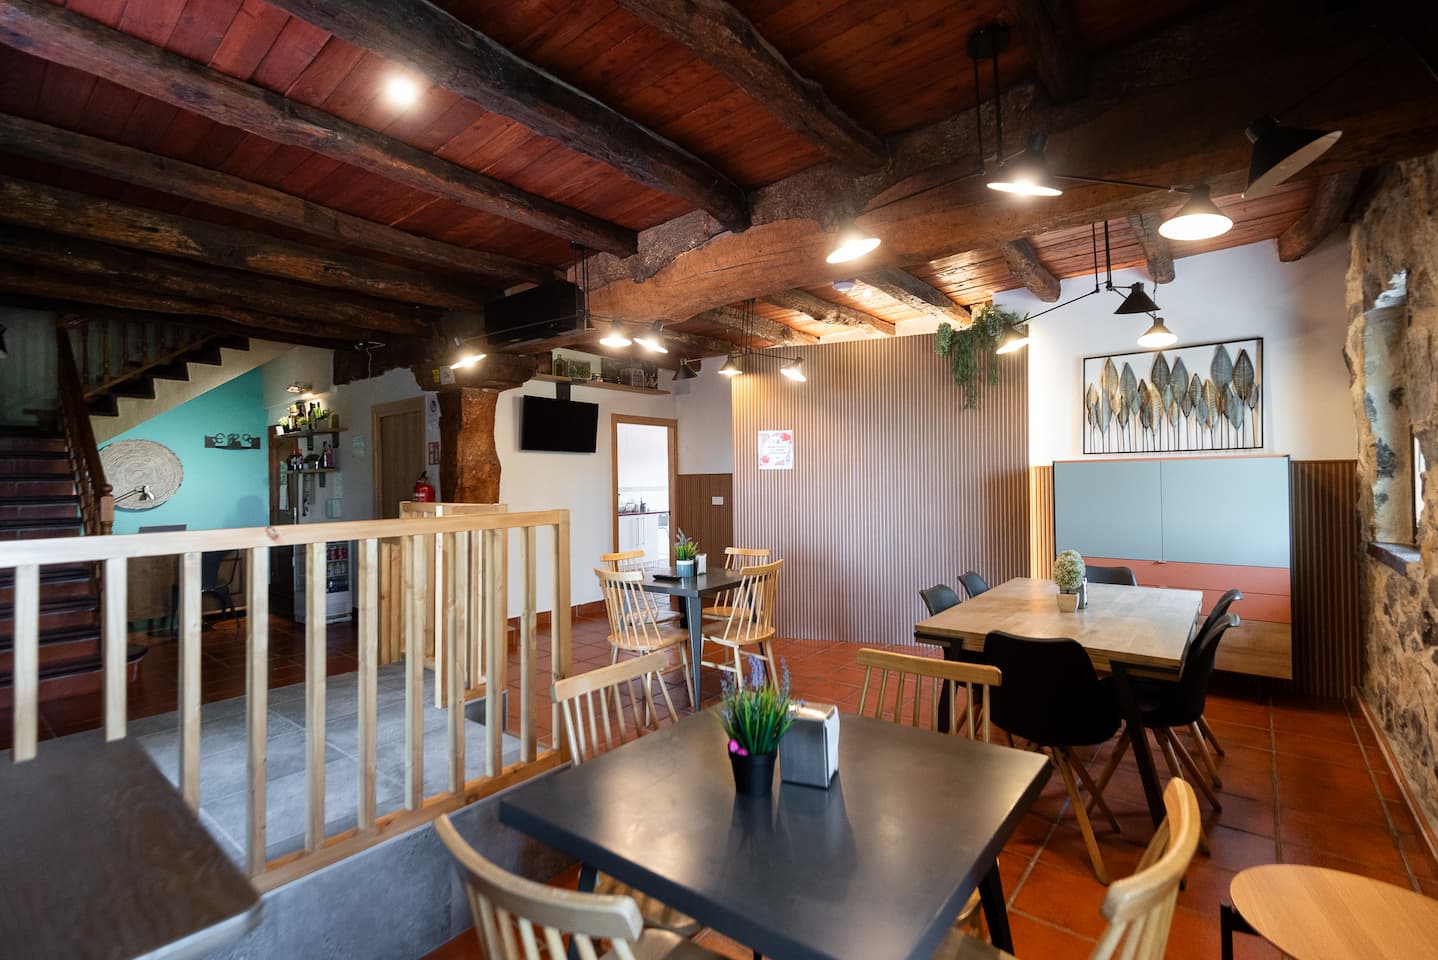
44 464
57 614
30 442
103 406
78 677
36 485
40 529
57 643
40 508
179 370
56 573
51 588
140 388
208 354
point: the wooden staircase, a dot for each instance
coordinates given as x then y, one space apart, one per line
123 358
39 498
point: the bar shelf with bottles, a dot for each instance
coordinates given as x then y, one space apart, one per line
338 604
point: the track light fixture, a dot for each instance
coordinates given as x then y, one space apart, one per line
731 366
1026 175
1012 340
1137 301
1198 219
616 336
1279 152
653 338
685 371
1158 336
851 244
794 370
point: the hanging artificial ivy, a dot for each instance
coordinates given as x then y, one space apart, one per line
970 350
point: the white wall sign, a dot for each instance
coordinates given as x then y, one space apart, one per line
776 449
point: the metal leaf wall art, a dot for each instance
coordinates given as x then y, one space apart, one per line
1158 401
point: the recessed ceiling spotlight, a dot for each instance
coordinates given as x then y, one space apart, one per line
401 91
851 244
843 286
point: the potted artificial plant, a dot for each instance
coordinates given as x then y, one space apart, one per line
1068 576
685 550
755 719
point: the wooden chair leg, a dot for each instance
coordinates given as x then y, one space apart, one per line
1090 842
664 692
1165 744
768 651
1208 735
1197 776
1112 765
688 676
1201 746
1096 796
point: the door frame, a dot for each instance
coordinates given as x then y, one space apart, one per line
378 412
615 419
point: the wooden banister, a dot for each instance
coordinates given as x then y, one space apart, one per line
97 505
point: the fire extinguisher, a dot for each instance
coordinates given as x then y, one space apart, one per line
423 489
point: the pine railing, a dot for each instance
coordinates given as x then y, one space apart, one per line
97 505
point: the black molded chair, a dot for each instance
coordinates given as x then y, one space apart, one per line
215 582
939 598
1202 733
1052 696
1119 576
1171 705
973 584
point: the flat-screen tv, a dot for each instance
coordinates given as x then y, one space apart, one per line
566 426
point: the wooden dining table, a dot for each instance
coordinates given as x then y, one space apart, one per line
692 590
878 865
1127 631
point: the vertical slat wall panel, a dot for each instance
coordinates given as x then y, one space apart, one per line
696 514
895 486
1327 638
1041 521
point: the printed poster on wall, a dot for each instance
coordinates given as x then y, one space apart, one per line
776 449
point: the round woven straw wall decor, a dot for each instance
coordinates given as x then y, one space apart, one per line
132 464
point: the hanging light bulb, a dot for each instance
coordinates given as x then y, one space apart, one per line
794 370
1158 335
653 338
1279 152
468 360
1013 339
615 337
1198 219
1026 175
852 244
685 371
1137 302
731 366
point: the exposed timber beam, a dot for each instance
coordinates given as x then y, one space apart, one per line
22 279
460 58
737 323
1024 264
71 314
92 218
104 263
817 308
691 345
38 141
1187 85
1050 31
1324 214
724 38
65 37
1154 245
916 295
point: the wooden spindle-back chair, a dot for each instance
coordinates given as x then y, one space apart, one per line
944 676
633 627
735 558
750 622
628 561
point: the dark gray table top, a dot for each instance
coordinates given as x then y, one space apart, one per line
876 866
101 858
712 582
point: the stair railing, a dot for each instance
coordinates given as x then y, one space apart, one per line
112 351
97 505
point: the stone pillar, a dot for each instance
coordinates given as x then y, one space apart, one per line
469 465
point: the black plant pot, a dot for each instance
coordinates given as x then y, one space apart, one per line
753 774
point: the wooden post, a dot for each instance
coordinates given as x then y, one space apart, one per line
315 663
494 681
526 648
115 640
414 673
559 652
469 467
25 663
257 692
455 633
368 679
189 715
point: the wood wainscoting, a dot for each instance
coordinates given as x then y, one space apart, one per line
696 513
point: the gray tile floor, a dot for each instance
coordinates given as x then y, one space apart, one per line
223 752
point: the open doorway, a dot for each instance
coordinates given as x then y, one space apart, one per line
397 433
645 452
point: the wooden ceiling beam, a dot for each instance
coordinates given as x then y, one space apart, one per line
734 321
1024 264
916 295
823 311
724 38
460 58
104 262
73 313
1050 31
62 36
39 141
1155 246
80 215
693 345
25 280
1323 216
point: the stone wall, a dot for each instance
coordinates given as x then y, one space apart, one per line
1392 355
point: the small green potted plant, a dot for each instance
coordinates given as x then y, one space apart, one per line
685 550
1069 577
755 716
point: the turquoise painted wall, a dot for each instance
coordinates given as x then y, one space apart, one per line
221 488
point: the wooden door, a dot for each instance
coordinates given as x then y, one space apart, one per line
399 453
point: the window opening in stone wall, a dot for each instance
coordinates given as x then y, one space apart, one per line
1397 493
1420 473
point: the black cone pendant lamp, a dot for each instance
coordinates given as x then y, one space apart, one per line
1279 152
1137 301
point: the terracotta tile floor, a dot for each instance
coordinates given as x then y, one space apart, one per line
1303 782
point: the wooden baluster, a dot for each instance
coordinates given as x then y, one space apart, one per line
478 671
455 633
115 639
87 376
25 663
257 693
527 649
559 650
414 636
438 599
497 655
315 597
384 598
189 717
368 678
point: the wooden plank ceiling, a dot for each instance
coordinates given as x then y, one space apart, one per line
680 138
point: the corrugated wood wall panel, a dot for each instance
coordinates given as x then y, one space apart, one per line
1041 521
895 487
1327 632
696 514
